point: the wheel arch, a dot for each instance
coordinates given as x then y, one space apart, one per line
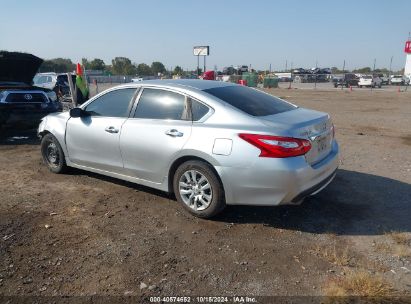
182 159
43 133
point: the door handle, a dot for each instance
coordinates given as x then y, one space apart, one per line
174 133
111 129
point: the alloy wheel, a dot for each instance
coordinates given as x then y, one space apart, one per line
195 190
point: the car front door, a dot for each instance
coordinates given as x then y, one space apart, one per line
93 140
158 130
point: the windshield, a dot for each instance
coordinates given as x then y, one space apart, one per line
367 77
251 101
36 79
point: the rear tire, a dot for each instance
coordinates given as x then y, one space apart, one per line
53 155
198 188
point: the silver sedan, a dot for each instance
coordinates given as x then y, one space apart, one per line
210 143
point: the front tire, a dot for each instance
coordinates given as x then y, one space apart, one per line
52 153
197 187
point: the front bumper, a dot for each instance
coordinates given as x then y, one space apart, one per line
275 181
13 113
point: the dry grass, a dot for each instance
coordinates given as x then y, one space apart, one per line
358 284
384 247
401 248
402 251
401 238
334 256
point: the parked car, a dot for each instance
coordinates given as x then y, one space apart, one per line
242 69
59 84
399 80
229 71
20 100
384 78
370 81
346 81
211 143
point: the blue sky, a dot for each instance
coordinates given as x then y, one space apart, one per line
239 32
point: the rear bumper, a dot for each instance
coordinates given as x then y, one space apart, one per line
314 189
271 182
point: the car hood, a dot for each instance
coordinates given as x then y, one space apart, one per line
18 67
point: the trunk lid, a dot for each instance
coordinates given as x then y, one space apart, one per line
18 67
307 124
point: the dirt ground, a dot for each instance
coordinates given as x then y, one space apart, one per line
86 234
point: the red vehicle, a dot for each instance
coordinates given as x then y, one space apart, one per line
208 75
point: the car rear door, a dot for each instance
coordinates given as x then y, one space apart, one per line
93 141
158 129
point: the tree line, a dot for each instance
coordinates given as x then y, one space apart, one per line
124 66
366 70
119 66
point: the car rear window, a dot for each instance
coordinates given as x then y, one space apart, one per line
250 101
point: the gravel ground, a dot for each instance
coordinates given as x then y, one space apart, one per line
86 234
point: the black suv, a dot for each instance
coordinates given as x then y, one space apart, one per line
346 81
20 101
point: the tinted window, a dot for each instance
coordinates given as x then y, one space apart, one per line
62 79
160 104
112 104
198 110
250 101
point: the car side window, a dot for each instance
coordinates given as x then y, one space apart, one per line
161 104
112 104
198 110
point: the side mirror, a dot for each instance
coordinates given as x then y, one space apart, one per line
78 112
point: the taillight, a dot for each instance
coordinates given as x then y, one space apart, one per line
277 146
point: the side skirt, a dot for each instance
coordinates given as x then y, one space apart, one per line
160 186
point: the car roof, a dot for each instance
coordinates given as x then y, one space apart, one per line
187 83
47 74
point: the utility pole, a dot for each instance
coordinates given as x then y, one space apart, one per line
375 60
270 67
391 66
198 65
204 64
343 72
286 65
